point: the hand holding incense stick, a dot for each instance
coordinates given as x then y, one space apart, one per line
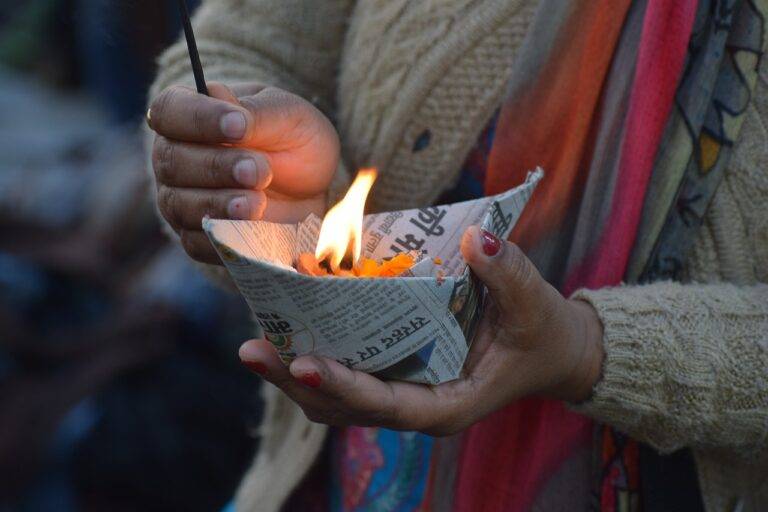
194 56
194 128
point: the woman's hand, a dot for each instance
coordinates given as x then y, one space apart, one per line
531 341
249 152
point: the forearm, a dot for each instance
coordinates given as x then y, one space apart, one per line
685 365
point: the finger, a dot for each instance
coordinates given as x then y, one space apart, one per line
197 245
261 357
222 92
183 164
181 113
184 208
370 401
513 282
274 112
246 89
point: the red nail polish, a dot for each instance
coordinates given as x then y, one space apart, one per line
311 380
256 367
491 244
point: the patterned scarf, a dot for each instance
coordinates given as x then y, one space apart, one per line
595 129
617 202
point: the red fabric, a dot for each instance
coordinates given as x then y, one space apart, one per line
549 121
666 32
509 456
503 460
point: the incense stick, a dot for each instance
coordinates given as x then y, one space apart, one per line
194 56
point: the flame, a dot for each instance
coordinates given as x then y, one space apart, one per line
342 227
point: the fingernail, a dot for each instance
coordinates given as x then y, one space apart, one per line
256 367
311 380
233 125
491 244
239 209
247 173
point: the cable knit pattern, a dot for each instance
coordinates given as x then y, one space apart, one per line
733 244
411 31
460 103
445 73
686 364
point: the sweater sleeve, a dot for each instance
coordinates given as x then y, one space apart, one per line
685 365
291 44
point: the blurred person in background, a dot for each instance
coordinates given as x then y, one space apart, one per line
649 118
100 409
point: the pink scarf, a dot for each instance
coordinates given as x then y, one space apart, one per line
559 96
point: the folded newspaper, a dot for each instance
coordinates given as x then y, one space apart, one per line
415 327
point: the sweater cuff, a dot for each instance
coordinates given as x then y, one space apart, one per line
628 393
684 364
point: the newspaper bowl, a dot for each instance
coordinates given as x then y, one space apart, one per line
415 327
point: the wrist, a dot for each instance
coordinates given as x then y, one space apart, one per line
587 339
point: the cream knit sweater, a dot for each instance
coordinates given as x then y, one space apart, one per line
686 364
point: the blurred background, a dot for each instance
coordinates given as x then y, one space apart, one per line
119 382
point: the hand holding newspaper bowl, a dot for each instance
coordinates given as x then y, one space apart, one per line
530 339
415 327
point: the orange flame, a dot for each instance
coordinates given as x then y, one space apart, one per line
342 229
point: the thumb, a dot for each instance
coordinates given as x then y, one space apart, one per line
271 112
279 119
513 282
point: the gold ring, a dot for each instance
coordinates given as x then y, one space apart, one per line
149 117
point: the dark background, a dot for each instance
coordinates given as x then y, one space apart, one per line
119 382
